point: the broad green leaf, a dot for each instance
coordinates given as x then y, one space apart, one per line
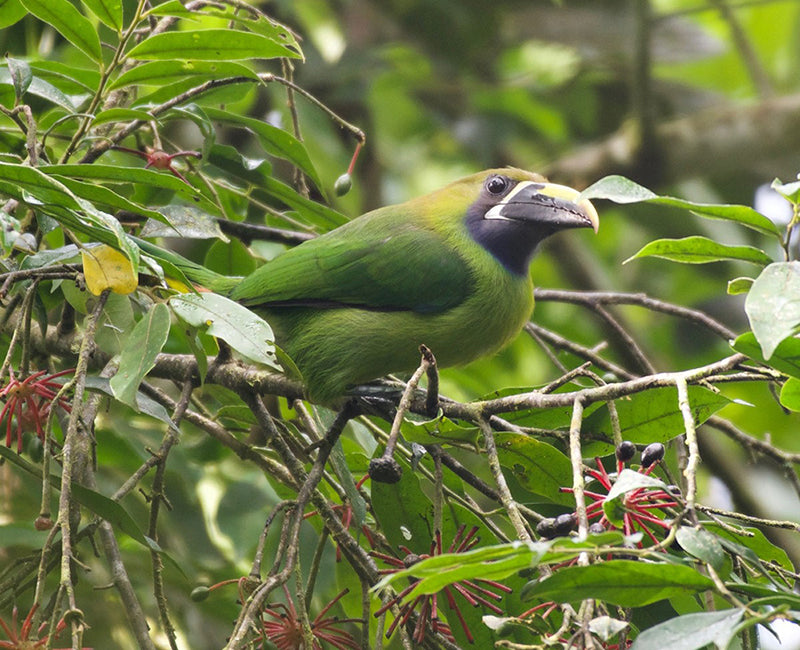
170 8
144 404
773 305
139 353
231 258
43 89
701 544
651 416
101 195
627 583
108 11
753 546
68 21
48 195
622 190
790 394
239 327
149 177
258 172
738 286
785 358
691 631
120 115
210 45
404 512
21 76
539 467
159 73
628 480
184 221
701 250
10 12
275 141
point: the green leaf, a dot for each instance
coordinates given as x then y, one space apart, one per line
274 140
148 177
258 172
143 345
100 195
651 416
785 358
403 511
68 21
622 190
691 631
120 115
21 76
160 73
43 89
210 45
790 394
108 11
627 583
243 330
144 404
10 12
184 221
539 467
791 191
701 250
701 544
628 480
738 286
773 305
46 194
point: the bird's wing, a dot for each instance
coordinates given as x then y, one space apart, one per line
381 264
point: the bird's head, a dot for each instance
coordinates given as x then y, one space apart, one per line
509 212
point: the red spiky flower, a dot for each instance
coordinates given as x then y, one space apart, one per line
282 626
643 507
30 401
426 605
19 638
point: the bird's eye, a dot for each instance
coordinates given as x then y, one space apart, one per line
497 185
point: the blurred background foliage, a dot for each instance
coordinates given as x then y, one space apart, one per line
692 98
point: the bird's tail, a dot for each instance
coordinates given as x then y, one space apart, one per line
186 269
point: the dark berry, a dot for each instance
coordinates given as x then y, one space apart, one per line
546 528
652 454
565 524
625 451
385 470
596 528
674 490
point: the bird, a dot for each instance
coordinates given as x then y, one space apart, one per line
449 270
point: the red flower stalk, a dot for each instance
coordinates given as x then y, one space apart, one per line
285 629
30 401
426 605
20 638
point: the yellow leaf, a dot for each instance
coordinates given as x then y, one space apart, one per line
106 268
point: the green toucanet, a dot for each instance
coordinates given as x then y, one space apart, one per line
449 269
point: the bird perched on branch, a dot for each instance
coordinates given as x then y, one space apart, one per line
449 270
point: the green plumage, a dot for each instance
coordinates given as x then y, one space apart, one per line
357 302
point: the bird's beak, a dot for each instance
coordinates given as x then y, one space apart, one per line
557 206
